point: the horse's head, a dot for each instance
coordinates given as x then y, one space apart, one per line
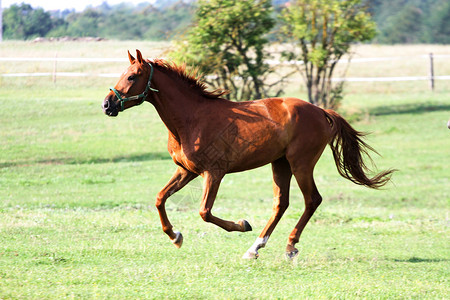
132 88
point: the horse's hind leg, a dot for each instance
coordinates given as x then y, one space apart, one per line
303 154
177 182
281 181
312 200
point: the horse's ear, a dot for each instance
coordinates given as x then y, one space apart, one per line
131 58
139 56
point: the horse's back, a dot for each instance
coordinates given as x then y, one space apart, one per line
290 119
302 117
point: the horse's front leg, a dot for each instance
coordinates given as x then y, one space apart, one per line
210 189
177 182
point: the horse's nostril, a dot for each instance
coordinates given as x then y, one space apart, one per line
105 104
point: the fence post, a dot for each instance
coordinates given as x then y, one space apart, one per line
431 72
54 67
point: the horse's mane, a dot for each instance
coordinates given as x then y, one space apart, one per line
191 77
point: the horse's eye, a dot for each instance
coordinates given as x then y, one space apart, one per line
132 78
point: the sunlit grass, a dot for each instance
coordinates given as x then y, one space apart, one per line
77 216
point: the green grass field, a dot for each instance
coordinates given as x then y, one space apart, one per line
77 192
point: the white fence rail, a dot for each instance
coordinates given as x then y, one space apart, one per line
55 74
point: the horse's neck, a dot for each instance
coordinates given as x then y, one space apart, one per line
175 103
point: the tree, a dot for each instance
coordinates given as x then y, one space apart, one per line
24 22
440 23
227 43
403 27
322 31
85 23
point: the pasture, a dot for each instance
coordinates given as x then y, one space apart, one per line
77 193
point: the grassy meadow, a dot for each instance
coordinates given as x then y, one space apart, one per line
77 192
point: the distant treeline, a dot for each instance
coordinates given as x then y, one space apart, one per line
398 21
122 22
411 21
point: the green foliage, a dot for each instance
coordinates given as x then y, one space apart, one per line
411 21
439 20
323 31
403 27
24 22
123 21
227 43
398 21
85 23
126 22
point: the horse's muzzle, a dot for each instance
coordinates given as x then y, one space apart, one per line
109 107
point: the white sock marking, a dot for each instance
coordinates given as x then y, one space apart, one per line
258 244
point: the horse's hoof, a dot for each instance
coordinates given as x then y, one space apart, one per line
291 254
178 240
245 225
250 255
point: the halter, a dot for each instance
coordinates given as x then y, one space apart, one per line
141 96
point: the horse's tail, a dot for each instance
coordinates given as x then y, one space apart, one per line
348 150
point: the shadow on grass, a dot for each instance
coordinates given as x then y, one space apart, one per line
421 260
127 158
91 160
410 108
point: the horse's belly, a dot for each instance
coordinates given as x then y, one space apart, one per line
254 155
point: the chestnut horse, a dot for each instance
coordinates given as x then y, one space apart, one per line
210 136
